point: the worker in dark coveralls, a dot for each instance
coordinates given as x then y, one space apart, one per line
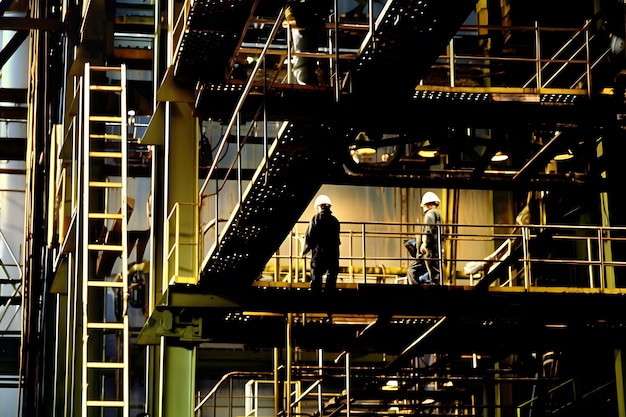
322 240
431 239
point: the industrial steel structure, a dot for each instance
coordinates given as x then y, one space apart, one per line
159 159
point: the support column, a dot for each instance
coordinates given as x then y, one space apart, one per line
619 383
178 383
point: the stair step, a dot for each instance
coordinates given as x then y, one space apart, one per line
106 216
106 284
105 184
113 88
104 154
105 403
112 119
105 326
104 247
105 365
107 136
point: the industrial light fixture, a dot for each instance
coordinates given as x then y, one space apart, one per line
362 151
391 385
499 157
365 151
427 153
428 150
361 147
564 156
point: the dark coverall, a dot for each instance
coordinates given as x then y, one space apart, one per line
430 239
322 239
306 19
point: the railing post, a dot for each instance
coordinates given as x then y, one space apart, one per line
590 259
538 57
525 237
364 258
347 384
601 258
588 59
452 64
320 400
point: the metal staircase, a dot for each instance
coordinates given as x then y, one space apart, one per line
104 375
298 163
309 153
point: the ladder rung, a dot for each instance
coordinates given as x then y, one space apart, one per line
104 68
104 154
115 119
105 136
107 248
104 403
106 284
105 87
105 184
106 216
105 365
105 326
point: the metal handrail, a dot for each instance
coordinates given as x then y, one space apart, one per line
367 244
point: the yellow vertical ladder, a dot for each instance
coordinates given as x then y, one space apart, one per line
105 336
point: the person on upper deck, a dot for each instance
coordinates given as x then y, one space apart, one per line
431 239
322 240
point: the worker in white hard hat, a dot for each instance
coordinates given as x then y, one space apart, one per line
322 240
431 239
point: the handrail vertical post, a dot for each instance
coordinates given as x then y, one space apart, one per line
538 57
364 258
276 382
351 256
320 362
239 168
452 63
601 258
288 361
177 241
334 66
590 259
588 59
347 384
525 237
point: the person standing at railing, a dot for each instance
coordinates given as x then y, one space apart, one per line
306 18
431 238
322 240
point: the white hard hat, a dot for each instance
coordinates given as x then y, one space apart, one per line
322 200
430 197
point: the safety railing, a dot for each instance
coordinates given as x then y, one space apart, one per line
244 145
182 248
11 280
541 59
338 385
505 255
